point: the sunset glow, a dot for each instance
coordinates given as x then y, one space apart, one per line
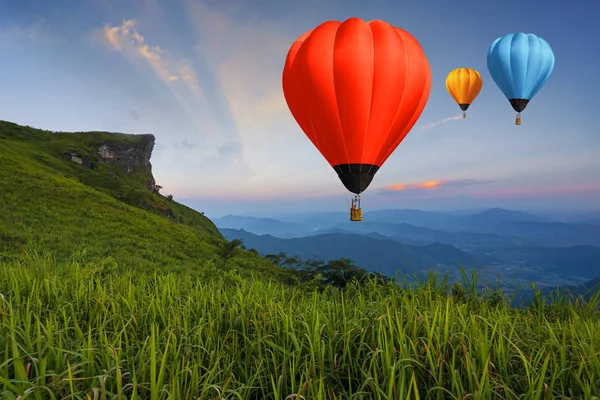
434 184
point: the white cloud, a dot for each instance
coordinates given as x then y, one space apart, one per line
126 39
435 124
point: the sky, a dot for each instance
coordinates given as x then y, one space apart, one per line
204 76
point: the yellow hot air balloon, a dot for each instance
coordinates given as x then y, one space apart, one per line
464 84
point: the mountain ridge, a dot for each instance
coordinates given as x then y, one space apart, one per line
496 224
373 254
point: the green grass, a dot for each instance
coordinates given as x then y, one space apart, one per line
77 331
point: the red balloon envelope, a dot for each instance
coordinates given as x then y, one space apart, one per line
356 89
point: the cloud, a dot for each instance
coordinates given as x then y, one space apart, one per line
428 127
126 39
425 188
248 60
475 190
419 185
245 57
174 71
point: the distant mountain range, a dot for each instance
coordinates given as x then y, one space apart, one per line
522 245
592 218
262 226
379 253
373 254
499 227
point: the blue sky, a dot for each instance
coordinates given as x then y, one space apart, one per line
205 78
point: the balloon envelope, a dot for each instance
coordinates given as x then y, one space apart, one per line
520 64
464 84
356 89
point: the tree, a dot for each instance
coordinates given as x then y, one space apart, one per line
229 248
337 273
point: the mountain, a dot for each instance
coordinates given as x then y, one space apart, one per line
411 234
586 289
550 233
464 213
420 218
592 218
91 196
419 235
528 226
490 228
262 226
498 216
373 254
453 221
450 221
516 225
582 261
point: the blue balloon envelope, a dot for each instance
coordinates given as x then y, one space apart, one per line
520 64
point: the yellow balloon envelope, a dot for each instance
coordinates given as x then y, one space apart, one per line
464 84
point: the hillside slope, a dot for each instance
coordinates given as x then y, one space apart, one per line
92 196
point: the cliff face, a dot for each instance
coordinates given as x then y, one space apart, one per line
132 157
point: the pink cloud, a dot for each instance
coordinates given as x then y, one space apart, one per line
427 185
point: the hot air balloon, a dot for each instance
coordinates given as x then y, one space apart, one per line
464 84
356 89
520 64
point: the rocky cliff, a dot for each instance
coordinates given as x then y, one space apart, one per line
132 156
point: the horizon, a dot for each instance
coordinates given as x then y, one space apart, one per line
552 216
205 79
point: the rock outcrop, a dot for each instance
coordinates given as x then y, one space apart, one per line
77 158
130 157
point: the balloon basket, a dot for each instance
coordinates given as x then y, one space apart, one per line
355 210
464 115
356 214
518 120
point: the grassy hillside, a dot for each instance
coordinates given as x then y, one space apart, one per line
49 204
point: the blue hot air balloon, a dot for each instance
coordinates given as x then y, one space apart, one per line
520 64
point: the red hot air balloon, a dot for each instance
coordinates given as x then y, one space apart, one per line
356 89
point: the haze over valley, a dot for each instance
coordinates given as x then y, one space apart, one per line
516 247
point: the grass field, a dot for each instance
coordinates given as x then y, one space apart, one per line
84 332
